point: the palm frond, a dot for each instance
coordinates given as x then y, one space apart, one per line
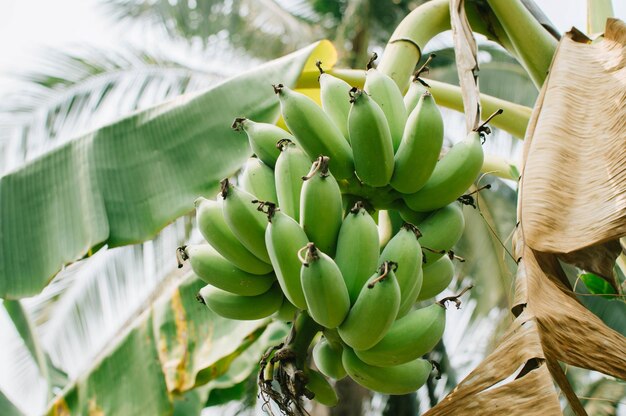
75 92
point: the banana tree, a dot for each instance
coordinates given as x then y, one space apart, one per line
113 213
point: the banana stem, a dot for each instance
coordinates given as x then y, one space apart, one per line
597 13
405 46
303 331
534 45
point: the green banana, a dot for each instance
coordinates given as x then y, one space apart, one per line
420 147
283 238
409 338
374 310
385 92
440 231
417 88
243 308
328 360
216 231
291 166
262 138
370 138
357 249
412 217
321 207
286 312
314 131
452 175
334 95
321 388
326 295
258 179
214 269
244 219
404 250
399 379
437 277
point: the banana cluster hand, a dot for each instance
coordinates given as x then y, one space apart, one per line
288 236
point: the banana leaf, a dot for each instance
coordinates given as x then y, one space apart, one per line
124 182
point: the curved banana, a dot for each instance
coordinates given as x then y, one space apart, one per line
370 138
262 138
243 308
321 388
328 360
244 219
387 95
357 249
412 217
283 238
334 95
404 250
437 277
452 175
286 312
314 131
374 310
399 379
326 295
440 231
216 231
321 207
258 179
420 147
214 269
291 166
409 338
417 88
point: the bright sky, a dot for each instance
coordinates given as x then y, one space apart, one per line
28 27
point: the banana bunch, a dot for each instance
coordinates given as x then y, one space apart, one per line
297 229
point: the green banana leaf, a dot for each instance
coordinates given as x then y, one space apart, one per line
124 182
168 351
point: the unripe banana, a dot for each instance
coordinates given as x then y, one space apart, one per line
321 207
286 312
314 131
328 360
374 310
370 139
334 95
417 88
214 269
326 295
284 237
216 231
409 338
387 95
357 249
404 250
421 144
440 231
262 138
413 217
291 166
243 308
399 379
258 179
323 390
437 277
452 175
244 219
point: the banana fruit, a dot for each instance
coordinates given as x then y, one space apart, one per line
334 96
437 277
440 231
328 360
291 166
326 295
258 179
262 138
211 267
216 231
243 308
323 391
409 338
399 379
371 141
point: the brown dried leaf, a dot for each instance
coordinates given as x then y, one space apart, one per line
465 52
574 179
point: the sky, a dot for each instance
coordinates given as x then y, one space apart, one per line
29 27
